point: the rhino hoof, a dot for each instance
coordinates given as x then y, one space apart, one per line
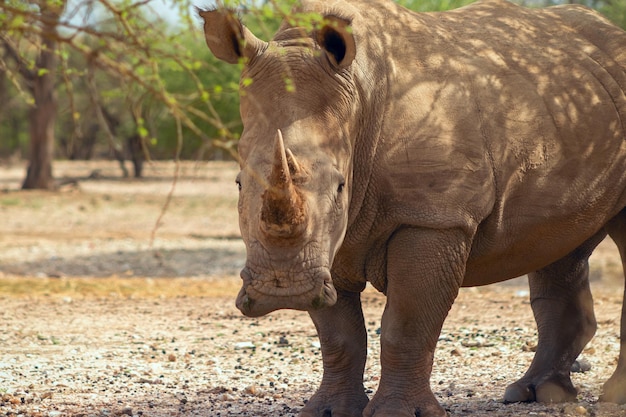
550 391
614 391
555 392
519 393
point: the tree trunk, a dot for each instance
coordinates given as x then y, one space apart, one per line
135 149
42 116
42 119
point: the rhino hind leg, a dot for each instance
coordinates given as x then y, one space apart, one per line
615 388
563 307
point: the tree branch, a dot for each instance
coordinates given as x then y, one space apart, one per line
103 120
22 64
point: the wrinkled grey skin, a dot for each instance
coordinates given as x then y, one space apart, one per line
422 153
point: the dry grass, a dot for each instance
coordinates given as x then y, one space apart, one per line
33 287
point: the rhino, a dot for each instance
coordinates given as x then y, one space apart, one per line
422 153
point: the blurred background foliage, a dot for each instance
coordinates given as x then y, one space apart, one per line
134 78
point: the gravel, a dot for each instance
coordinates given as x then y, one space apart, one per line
179 356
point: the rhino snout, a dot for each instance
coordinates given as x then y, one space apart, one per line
257 297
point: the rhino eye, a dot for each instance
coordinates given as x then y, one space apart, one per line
341 186
238 182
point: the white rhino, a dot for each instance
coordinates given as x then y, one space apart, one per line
422 152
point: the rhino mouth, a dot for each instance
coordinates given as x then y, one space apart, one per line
262 294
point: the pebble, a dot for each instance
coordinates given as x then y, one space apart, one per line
127 410
576 410
581 365
252 390
244 345
226 397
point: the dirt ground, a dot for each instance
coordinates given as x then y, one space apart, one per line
116 300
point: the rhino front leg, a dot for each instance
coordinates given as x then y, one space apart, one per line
343 338
424 271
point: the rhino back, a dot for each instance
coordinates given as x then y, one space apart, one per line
493 117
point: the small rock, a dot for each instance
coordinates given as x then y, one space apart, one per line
476 343
590 350
127 410
529 347
149 381
225 397
171 357
244 345
456 352
581 365
575 410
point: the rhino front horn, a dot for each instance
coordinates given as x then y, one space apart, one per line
283 212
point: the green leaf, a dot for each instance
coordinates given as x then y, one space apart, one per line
290 87
16 22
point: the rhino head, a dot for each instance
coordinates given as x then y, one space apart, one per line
298 113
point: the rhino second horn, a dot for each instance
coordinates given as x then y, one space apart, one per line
295 169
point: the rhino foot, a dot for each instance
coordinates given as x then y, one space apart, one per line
380 407
330 404
551 390
614 390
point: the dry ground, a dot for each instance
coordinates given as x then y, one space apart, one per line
111 306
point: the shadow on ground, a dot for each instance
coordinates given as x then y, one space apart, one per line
217 258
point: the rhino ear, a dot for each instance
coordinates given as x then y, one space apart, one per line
335 38
227 37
